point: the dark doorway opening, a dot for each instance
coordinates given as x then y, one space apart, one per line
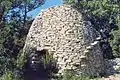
39 70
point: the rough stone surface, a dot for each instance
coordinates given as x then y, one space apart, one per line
64 32
112 66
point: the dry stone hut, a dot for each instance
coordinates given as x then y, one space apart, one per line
69 37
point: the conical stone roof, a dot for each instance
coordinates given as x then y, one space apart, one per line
63 31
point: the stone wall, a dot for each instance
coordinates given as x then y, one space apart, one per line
63 31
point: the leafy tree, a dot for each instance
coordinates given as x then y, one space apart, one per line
14 26
103 14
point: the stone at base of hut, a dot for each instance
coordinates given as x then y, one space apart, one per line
65 33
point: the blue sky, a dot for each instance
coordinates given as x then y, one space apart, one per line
48 3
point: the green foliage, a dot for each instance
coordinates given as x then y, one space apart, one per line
21 60
10 76
7 76
103 14
14 26
68 75
119 68
5 64
115 43
49 63
47 58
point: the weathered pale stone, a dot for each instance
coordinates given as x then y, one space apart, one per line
68 60
98 38
59 59
33 58
60 55
83 65
32 62
78 63
60 71
74 67
68 67
65 33
94 43
86 51
89 47
82 57
55 56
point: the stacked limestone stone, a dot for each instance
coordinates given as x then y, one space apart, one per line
60 31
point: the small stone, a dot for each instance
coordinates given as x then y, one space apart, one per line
60 55
82 57
66 57
61 63
39 48
33 58
32 62
55 56
68 67
68 61
35 62
83 65
60 71
74 67
94 43
86 51
59 59
78 25
89 47
63 67
116 67
98 38
75 54
47 47
78 63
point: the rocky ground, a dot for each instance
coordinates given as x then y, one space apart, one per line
112 66
113 70
112 77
